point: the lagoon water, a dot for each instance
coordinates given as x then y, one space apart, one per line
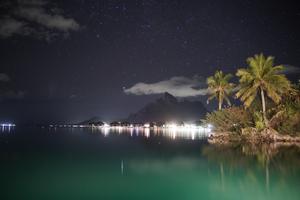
38 163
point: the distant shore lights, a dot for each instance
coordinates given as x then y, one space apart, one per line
147 125
7 125
189 127
174 127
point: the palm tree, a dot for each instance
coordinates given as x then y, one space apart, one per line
262 76
219 87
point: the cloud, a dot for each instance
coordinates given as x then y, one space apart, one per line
10 27
55 21
178 86
33 2
4 77
289 69
30 18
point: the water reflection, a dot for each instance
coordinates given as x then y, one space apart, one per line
160 166
269 166
154 132
72 164
6 129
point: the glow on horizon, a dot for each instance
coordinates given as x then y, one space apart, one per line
171 126
7 125
171 130
147 125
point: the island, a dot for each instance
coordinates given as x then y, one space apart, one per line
270 110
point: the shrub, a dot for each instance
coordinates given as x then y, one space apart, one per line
286 116
232 119
258 121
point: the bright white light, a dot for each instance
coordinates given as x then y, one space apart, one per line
189 126
208 130
193 135
174 135
171 125
131 132
7 125
147 132
106 125
106 131
146 125
209 126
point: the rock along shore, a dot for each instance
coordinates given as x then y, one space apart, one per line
251 135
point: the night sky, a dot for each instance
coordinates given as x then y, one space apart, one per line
66 61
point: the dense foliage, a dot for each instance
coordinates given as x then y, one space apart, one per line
232 119
270 100
262 77
286 116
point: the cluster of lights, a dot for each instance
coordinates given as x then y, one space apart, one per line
7 125
189 127
171 129
68 126
146 125
168 126
106 125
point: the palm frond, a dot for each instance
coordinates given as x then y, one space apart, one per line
219 86
261 73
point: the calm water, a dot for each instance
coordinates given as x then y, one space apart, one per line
136 164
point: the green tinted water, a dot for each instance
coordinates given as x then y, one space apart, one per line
86 164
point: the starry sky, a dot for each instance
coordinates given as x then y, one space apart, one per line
66 61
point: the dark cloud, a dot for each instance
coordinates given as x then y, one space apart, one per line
32 2
178 86
10 26
31 18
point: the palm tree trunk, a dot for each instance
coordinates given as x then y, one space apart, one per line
220 102
263 105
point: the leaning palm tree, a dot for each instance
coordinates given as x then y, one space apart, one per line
219 87
262 77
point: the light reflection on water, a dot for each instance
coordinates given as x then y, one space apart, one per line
155 132
6 128
142 163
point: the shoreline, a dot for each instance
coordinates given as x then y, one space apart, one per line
266 136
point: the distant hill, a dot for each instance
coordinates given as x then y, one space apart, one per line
93 120
168 108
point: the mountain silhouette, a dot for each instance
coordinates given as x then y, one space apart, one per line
93 120
168 108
